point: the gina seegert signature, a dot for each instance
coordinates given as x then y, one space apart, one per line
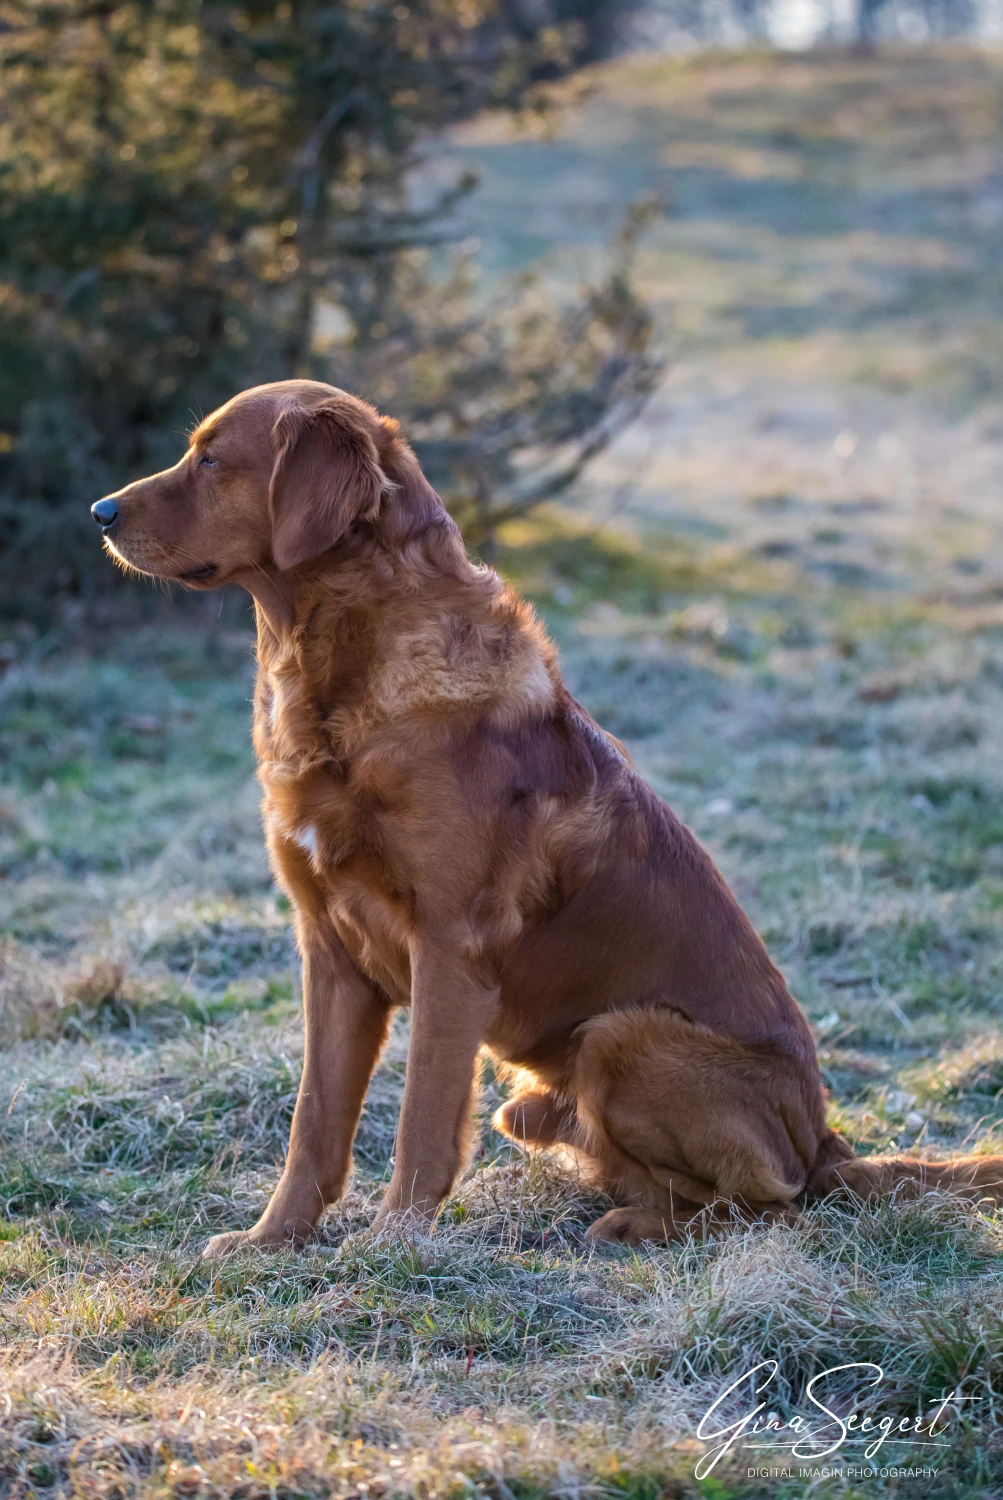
822 1431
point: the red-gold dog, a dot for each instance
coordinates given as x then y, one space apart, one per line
456 834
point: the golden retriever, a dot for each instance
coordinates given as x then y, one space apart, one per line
456 834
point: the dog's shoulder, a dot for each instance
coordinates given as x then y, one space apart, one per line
471 652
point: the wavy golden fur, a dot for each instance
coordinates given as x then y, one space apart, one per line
456 834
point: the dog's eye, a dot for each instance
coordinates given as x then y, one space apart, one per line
207 462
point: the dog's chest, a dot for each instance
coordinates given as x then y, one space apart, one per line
329 828
328 853
318 820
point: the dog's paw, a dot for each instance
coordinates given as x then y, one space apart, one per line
388 1237
400 1224
631 1226
222 1245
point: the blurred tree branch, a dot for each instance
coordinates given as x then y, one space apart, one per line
508 401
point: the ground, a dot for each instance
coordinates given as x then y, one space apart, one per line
783 590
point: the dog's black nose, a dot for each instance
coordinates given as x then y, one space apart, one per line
105 513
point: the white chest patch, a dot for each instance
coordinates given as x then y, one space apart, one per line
274 707
307 839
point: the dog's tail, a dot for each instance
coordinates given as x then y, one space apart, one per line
838 1171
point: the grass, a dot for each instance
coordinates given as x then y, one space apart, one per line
784 592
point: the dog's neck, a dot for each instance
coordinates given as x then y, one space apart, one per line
413 547
396 620
413 539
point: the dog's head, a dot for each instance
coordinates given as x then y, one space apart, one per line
272 479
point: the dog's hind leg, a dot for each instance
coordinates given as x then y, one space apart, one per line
690 1128
538 1119
632 1226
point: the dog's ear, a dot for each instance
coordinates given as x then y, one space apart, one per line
326 475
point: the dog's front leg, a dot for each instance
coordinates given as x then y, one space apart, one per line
345 1025
450 1012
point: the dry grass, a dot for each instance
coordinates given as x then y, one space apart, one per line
803 643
